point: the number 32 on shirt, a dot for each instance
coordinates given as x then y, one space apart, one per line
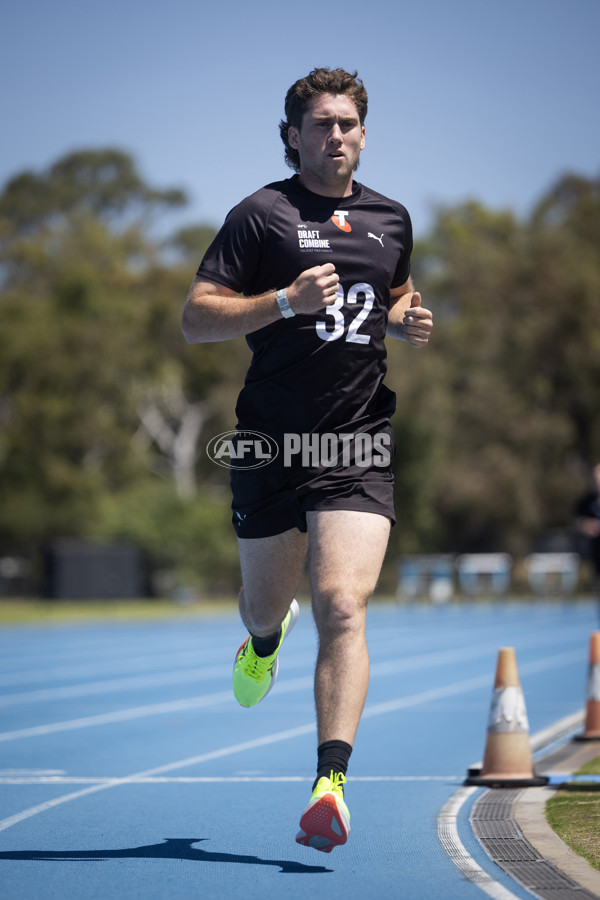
353 334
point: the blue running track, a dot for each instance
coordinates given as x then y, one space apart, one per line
127 770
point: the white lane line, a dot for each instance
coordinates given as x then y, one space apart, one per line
159 770
449 690
108 666
31 773
218 670
541 740
469 684
447 827
377 709
378 669
111 685
96 661
140 712
560 659
289 686
226 697
447 831
541 639
121 715
213 779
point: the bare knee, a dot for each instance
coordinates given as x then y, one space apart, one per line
252 615
259 617
339 614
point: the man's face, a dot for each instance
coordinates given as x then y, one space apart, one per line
329 143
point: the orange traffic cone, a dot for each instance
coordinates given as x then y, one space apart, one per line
592 710
507 760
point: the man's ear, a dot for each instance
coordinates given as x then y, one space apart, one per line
293 137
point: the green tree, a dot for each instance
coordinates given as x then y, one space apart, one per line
105 410
501 412
102 400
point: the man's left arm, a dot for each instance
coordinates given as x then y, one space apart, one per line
408 320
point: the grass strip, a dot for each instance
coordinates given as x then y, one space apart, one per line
60 612
574 814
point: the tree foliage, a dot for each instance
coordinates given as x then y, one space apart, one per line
102 401
105 410
508 393
104 183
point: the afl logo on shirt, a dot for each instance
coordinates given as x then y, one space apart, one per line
339 219
310 239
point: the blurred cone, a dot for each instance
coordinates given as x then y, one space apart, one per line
507 760
592 711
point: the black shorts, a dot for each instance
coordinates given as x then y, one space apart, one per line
274 498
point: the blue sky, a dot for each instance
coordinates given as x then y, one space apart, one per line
467 98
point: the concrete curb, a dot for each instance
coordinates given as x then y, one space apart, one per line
529 814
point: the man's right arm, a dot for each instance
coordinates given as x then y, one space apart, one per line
213 312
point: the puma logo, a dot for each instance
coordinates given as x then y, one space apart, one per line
375 238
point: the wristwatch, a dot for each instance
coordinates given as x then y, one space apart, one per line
283 303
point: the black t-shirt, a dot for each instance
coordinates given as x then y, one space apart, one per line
322 372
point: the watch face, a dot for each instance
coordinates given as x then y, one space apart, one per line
283 304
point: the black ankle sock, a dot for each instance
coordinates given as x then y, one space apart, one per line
332 756
266 645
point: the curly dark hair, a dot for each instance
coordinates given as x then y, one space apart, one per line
319 81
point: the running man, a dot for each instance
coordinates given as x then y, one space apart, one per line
314 270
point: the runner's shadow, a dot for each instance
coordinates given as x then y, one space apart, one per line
172 848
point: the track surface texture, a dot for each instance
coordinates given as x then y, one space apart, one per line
127 769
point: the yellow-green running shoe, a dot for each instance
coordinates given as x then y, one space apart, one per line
325 822
254 676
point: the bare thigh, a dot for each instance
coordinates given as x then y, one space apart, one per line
271 571
346 553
